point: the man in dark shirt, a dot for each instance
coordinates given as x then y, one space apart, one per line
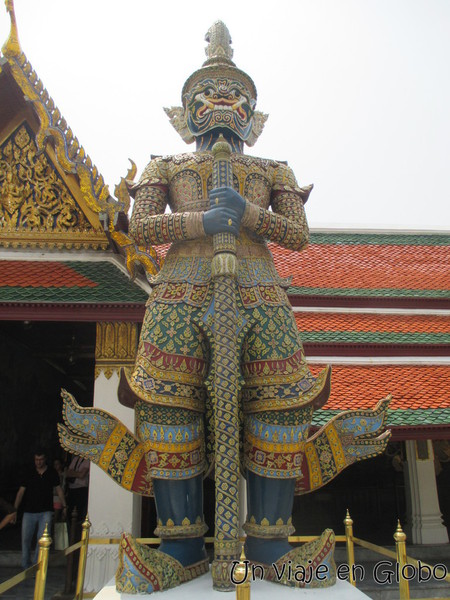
36 491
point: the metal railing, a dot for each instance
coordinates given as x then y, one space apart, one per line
403 561
41 567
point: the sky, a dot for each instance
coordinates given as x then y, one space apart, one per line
357 91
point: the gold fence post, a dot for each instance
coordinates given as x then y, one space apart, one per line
400 545
82 560
348 522
41 576
69 562
243 579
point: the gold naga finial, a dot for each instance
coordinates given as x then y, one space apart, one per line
12 45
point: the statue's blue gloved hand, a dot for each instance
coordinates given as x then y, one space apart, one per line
229 198
221 220
225 214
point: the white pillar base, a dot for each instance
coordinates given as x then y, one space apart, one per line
112 510
425 518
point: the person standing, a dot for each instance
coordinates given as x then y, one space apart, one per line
36 493
57 505
77 476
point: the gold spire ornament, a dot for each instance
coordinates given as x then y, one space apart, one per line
12 45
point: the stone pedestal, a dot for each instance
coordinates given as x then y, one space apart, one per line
201 589
425 524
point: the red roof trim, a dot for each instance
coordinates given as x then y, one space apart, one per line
72 312
367 302
371 349
420 432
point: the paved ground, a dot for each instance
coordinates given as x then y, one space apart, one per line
10 558
25 590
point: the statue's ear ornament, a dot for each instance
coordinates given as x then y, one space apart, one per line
177 116
259 120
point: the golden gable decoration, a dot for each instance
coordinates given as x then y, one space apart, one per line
51 194
34 200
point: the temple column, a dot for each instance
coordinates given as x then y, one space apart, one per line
425 524
112 509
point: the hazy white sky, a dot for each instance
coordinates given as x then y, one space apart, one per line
358 91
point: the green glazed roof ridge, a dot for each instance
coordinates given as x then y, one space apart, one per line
396 417
382 238
374 337
369 292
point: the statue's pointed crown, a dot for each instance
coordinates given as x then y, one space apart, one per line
218 63
218 50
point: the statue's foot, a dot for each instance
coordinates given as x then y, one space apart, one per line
311 565
143 570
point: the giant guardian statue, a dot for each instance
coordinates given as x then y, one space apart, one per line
221 386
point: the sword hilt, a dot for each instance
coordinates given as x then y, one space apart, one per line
224 261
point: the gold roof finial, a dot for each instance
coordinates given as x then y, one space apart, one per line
12 46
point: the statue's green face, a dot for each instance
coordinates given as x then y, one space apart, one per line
220 103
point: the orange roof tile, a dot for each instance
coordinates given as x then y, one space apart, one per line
411 386
376 262
366 266
379 323
25 274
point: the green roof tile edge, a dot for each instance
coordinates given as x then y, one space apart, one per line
378 292
373 337
409 416
380 239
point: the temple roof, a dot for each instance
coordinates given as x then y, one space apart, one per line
76 290
71 281
381 328
420 393
411 386
378 266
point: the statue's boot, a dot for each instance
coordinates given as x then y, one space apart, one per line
268 525
181 555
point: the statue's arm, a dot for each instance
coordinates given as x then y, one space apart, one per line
286 223
149 223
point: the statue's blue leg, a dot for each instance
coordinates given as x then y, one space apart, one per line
179 507
269 510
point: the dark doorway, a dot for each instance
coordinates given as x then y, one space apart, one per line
372 490
37 359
